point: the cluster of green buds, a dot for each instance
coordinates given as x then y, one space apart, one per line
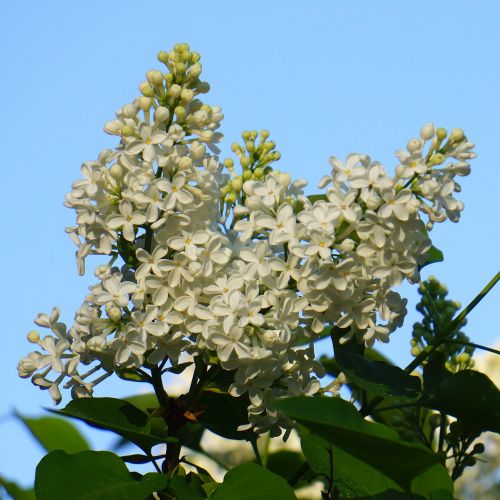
255 157
438 313
442 144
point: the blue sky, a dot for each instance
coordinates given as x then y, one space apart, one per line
325 77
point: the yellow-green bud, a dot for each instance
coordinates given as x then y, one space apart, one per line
229 163
276 155
247 175
436 159
146 89
413 145
154 77
457 135
114 313
237 183
127 131
441 133
195 57
250 145
463 357
187 95
179 67
264 134
230 197
195 70
175 90
180 112
33 336
144 103
246 135
284 179
427 131
415 351
162 114
129 110
235 147
245 161
258 173
185 163
162 57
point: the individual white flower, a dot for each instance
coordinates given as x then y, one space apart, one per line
127 220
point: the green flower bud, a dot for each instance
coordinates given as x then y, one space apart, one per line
203 87
154 77
180 112
146 89
127 131
237 183
195 70
264 134
144 103
258 173
229 163
247 175
195 57
416 351
245 161
457 135
175 90
33 337
162 57
116 172
230 197
250 145
187 95
441 133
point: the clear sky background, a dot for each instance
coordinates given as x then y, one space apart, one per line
325 77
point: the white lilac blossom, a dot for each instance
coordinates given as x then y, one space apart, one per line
237 269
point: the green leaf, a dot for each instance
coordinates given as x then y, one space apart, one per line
251 481
468 395
312 198
184 489
115 415
15 491
361 446
91 475
54 433
285 463
378 377
223 414
433 255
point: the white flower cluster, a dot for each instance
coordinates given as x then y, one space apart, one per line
242 270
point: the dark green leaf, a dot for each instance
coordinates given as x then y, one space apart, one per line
184 489
115 415
91 475
312 198
129 374
15 491
136 459
468 395
433 255
377 377
55 433
223 413
361 447
285 463
251 481
179 368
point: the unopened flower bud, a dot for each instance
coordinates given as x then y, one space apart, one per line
427 131
206 135
146 89
203 87
114 312
185 163
463 357
175 90
264 134
144 103
116 172
284 179
229 163
416 351
162 114
113 127
127 131
245 161
195 57
195 70
414 145
436 159
247 175
33 337
162 57
154 77
230 198
187 95
250 145
129 111
457 135
258 173
237 183
441 133
180 112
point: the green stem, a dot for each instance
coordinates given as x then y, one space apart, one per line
472 344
